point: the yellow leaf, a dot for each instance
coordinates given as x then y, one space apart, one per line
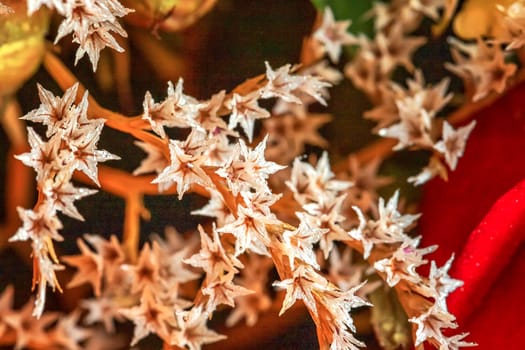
22 46
479 18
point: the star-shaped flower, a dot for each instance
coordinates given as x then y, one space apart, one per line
193 332
44 157
245 111
453 143
150 316
413 129
29 329
223 292
212 257
208 113
111 252
333 35
301 286
185 168
404 262
441 282
281 84
89 265
54 112
396 49
103 309
92 25
62 194
145 271
249 230
430 325
298 244
39 225
248 166
67 332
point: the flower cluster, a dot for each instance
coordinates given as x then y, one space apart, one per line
71 145
45 332
92 24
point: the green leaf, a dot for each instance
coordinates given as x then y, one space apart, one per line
353 10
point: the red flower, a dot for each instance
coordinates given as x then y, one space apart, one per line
480 215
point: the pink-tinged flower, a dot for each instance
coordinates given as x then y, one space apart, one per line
207 114
177 110
298 244
430 325
441 284
254 277
173 269
482 67
389 228
150 316
111 252
317 184
154 162
56 113
216 208
73 138
249 230
29 329
453 143
185 166
92 24
365 70
333 35
346 273
145 271
434 168
404 262
223 291
39 225
396 49
68 334
44 157
248 168
281 84
103 310
289 133
300 286
89 266
61 195
213 258
432 99
398 11
192 330
327 215
366 182
245 111
413 129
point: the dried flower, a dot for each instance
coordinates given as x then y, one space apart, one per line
333 35
453 143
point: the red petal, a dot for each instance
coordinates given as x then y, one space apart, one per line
480 215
